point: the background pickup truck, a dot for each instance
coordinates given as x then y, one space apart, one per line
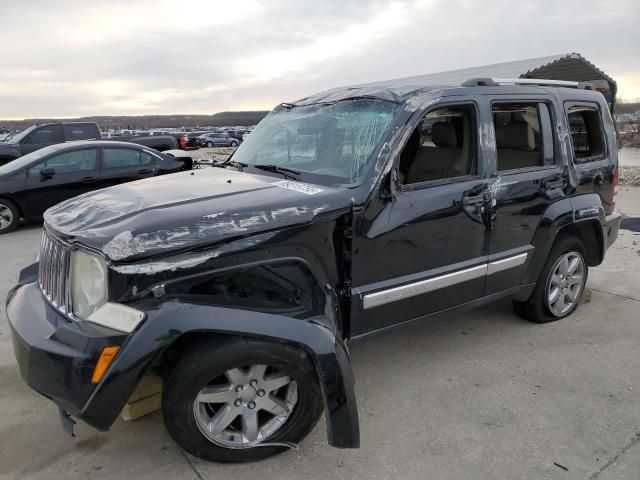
160 143
39 136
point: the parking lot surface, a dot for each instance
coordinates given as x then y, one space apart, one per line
477 395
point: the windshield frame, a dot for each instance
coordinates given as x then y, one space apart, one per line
26 161
18 137
370 164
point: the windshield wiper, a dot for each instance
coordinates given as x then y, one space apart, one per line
286 172
233 163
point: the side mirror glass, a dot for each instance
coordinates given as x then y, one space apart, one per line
47 172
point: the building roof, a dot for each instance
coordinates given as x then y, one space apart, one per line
565 66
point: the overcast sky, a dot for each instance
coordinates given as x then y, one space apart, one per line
78 57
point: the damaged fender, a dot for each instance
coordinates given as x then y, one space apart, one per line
168 321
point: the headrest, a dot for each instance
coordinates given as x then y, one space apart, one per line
444 135
517 136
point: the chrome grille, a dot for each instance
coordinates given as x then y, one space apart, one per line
54 267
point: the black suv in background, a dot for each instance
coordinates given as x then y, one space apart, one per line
343 215
39 136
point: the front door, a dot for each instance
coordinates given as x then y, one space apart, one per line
528 178
42 137
426 249
69 174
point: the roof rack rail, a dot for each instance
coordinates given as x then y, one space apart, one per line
494 82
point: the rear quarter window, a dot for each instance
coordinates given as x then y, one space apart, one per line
587 135
80 132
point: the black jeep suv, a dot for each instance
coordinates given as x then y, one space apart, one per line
343 215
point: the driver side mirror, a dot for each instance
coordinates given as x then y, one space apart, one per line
47 172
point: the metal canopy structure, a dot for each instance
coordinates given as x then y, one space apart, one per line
568 67
565 66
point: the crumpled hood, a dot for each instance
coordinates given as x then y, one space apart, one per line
185 210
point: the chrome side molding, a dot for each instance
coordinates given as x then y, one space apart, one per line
506 263
424 286
413 289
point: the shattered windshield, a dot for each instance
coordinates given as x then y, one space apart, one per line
327 144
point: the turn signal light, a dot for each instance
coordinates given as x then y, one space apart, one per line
106 357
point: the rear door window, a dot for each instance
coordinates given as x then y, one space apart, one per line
587 136
120 158
523 135
147 158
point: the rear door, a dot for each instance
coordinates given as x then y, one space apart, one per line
120 165
74 173
528 178
42 137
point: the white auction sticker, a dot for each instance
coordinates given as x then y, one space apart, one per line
298 187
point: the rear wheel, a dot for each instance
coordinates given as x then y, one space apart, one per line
234 144
239 399
560 286
9 216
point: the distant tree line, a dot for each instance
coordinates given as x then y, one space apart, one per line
145 122
626 107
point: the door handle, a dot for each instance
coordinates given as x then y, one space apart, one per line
473 200
555 183
144 171
89 179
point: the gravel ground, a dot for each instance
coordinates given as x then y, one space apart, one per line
630 176
216 153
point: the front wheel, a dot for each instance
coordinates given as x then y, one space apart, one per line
209 144
234 144
560 286
240 399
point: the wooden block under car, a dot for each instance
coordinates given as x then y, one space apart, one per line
144 400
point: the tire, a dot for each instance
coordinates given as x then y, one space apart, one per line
209 144
212 360
539 308
9 216
234 144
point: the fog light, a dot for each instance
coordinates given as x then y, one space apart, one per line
117 316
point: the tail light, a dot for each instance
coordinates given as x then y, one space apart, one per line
183 142
614 183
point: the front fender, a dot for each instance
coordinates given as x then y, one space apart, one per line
168 321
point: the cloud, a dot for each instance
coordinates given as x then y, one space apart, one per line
74 57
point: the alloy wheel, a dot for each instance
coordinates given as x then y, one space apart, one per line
565 283
245 406
6 216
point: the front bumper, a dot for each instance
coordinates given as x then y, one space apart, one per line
56 356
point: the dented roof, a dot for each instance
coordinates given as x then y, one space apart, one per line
565 66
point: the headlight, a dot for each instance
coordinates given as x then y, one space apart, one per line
88 283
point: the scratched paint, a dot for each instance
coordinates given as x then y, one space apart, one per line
127 244
191 260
